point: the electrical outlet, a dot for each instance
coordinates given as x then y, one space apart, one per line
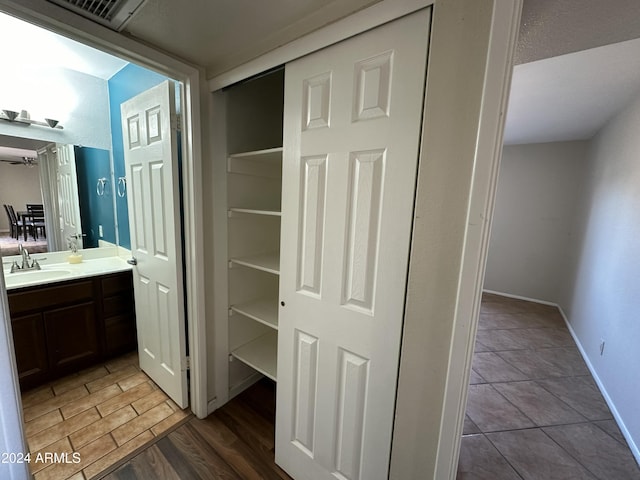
601 347
100 230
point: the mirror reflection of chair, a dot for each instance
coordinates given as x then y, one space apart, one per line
17 226
36 212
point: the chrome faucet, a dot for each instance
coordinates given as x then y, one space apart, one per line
27 262
25 256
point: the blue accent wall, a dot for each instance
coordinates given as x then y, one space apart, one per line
95 210
127 83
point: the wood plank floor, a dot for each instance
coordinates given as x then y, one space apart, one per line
101 415
235 442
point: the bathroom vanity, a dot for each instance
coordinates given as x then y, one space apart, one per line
67 323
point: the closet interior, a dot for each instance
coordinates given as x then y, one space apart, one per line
254 112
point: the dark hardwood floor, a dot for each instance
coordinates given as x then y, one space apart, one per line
235 442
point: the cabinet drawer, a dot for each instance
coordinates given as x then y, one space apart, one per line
120 333
117 283
117 304
44 297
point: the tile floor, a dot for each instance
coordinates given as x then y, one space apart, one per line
104 413
534 411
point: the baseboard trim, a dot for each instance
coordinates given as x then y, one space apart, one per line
237 389
240 387
623 428
520 297
212 405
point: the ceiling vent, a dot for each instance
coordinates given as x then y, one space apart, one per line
113 14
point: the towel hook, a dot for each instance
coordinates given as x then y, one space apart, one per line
100 187
122 186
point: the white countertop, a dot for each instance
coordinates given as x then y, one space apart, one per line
56 269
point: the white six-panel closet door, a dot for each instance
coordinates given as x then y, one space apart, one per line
352 125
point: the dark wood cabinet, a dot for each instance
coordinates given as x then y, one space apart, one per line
30 346
72 337
63 327
118 312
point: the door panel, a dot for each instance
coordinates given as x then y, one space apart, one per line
152 177
351 141
69 209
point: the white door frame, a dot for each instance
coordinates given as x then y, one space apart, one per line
462 146
65 23
12 437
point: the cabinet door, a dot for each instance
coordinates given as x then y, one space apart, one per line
351 141
118 313
72 339
30 348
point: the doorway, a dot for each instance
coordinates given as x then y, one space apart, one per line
188 77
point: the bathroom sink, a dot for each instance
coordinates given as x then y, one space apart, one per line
34 277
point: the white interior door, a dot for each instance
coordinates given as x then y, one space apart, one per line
150 146
68 201
48 169
351 139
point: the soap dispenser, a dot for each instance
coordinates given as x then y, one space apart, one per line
75 257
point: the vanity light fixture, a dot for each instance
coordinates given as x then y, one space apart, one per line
22 118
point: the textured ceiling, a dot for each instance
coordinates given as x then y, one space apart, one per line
576 68
221 34
565 97
570 97
9 153
556 27
14 148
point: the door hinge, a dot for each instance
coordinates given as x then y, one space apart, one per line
187 363
176 122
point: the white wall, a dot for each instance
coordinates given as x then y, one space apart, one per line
19 185
79 101
602 295
537 197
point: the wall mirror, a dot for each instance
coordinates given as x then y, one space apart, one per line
74 184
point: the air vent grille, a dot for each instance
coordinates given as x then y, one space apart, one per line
110 13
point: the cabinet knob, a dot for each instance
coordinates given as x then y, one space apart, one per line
282 303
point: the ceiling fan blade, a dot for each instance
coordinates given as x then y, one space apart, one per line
15 162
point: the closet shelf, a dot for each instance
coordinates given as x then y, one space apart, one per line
253 211
267 155
260 354
267 262
264 311
260 163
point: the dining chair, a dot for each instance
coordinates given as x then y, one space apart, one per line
37 219
12 223
24 225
